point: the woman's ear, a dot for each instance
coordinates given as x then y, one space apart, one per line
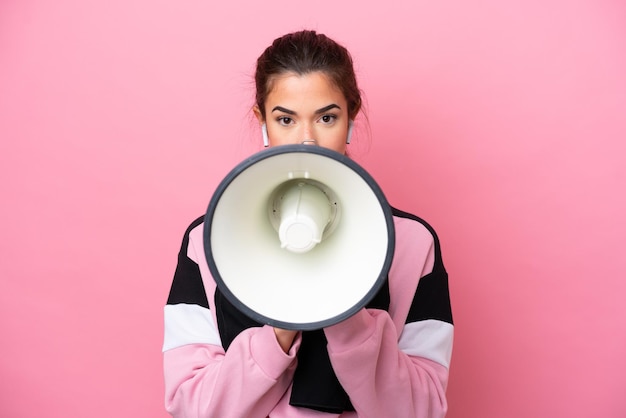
257 114
259 117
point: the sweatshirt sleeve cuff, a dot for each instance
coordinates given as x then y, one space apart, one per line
268 354
352 332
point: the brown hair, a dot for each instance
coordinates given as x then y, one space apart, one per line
302 53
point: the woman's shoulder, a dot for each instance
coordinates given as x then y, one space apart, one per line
410 219
414 228
415 236
192 230
195 224
192 239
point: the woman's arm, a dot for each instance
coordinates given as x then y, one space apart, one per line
396 363
201 379
247 381
379 377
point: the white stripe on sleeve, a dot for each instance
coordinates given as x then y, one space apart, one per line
188 324
431 339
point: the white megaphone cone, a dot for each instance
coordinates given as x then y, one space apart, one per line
299 237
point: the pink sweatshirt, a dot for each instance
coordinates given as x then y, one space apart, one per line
391 364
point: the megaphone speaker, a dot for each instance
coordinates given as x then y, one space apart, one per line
299 237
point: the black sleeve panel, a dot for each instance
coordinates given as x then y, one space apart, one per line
432 298
187 286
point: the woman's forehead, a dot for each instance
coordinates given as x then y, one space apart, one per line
302 88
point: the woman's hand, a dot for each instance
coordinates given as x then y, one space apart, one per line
285 338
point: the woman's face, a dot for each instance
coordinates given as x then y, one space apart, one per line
306 107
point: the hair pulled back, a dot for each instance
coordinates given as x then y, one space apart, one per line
302 53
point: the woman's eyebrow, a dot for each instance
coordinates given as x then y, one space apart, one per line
284 110
317 112
327 108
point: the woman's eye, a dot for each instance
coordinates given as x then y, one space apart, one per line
284 120
328 118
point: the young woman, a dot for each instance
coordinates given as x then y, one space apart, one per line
390 359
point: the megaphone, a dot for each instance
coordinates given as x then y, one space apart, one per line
299 237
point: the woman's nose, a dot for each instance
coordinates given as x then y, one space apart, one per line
308 137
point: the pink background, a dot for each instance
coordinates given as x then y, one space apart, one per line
502 123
